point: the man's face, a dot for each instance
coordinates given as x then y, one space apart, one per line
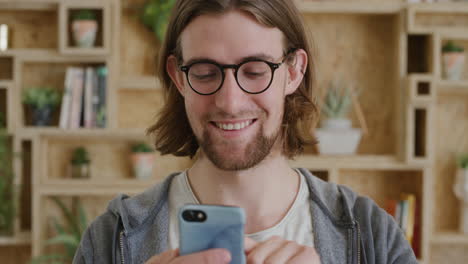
235 130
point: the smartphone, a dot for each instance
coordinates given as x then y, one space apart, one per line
203 227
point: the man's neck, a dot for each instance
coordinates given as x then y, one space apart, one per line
266 191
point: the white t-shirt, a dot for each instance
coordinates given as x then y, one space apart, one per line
296 225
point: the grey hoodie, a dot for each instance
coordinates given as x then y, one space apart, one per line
347 228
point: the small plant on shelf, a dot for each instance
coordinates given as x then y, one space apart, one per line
68 235
7 194
142 160
80 164
453 57
155 15
42 101
84 27
336 135
460 189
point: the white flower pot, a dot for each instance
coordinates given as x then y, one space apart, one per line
143 164
453 64
461 191
338 137
84 32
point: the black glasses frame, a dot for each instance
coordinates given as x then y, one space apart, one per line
222 67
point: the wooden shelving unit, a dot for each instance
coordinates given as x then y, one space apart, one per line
389 49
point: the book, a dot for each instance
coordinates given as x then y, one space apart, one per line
101 118
88 110
77 94
65 108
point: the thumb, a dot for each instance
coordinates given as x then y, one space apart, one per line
249 244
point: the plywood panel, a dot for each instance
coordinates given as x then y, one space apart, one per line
441 20
139 45
31 29
15 254
450 253
452 124
362 51
138 108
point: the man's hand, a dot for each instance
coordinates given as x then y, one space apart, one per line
278 250
212 256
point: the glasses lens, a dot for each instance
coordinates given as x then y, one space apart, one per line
254 76
205 78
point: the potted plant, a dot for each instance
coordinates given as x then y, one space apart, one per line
68 234
336 135
42 101
80 164
84 28
7 198
142 160
155 15
461 190
453 57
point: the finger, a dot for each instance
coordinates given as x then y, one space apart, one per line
288 250
211 256
164 257
260 252
249 244
305 255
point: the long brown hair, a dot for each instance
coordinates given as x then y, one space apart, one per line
172 132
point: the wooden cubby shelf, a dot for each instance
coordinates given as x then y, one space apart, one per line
389 50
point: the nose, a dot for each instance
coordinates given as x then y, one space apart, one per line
230 97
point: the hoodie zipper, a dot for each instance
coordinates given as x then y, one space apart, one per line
358 242
122 258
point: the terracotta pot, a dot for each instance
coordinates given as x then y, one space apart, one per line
453 64
337 137
84 33
143 164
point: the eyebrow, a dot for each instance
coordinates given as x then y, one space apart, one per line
260 56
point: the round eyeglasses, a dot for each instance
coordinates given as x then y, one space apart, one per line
253 76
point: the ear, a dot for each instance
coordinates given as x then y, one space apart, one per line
176 75
296 71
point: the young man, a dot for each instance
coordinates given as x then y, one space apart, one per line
238 76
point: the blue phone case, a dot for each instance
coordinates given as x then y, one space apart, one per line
222 228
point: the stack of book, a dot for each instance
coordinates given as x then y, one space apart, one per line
406 213
84 98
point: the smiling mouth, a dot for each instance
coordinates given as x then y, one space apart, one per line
232 126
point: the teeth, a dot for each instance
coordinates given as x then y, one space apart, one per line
236 126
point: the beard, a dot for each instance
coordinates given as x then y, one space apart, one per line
254 153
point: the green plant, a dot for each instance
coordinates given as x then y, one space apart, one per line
7 193
84 14
68 234
155 15
337 101
450 46
80 156
41 97
142 147
463 161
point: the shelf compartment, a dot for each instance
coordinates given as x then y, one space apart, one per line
141 103
421 88
46 74
382 185
450 128
419 135
67 10
420 53
448 17
6 68
349 43
107 154
460 41
138 45
31 28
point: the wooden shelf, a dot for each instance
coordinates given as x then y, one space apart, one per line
364 162
5 84
363 7
450 237
140 83
115 184
30 5
76 189
82 132
22 238
452 87
50 56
